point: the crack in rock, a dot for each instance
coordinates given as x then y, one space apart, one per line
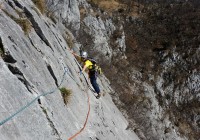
52 74
39 50
6 54
18 4
37 28
54 130
19 75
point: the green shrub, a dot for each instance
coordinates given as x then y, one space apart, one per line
66 94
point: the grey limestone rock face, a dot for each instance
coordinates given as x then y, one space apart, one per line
35 64
66 11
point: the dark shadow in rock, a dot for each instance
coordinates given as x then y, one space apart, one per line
37 28
52 74
20 76
7 57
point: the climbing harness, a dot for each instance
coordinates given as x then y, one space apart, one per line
31 102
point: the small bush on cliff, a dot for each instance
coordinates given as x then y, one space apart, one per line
66 94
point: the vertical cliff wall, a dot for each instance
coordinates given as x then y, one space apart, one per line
35 61
150 51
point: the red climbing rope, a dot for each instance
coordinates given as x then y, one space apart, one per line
72 137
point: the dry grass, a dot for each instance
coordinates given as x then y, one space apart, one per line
51 15
184 128
24 23
69 39
133 8
66 94
108 5
82 13
41 5
36 10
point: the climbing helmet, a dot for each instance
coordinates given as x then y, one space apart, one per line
84 55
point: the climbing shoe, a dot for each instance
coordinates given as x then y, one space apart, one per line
98 96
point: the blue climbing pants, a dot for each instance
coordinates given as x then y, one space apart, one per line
93 81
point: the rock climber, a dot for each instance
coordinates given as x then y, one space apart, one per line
89 64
